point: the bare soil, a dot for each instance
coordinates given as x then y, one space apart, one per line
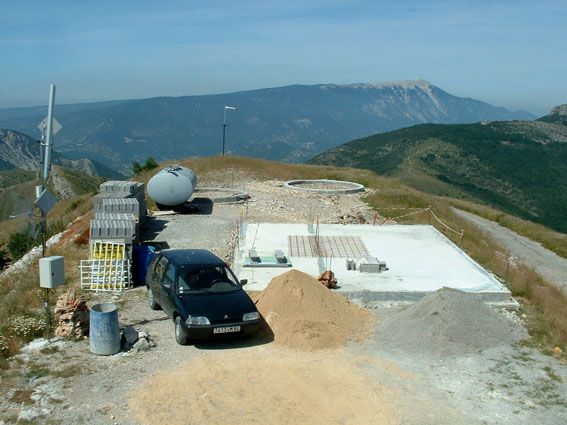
395 376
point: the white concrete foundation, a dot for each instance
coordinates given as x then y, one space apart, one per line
419 258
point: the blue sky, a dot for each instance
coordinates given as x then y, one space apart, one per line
507 53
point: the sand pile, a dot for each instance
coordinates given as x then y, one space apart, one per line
448 323
304 314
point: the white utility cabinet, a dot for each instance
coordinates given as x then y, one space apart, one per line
51 271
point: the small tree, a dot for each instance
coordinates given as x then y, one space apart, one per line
4 260
150 164
19 244
136 167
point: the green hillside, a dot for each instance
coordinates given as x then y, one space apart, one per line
517 166
12 177
18 188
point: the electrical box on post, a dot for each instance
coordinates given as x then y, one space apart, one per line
51 272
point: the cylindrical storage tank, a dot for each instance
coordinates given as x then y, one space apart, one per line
104 332
172 186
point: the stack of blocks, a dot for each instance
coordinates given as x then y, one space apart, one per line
119 209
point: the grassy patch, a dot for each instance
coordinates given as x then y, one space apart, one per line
69 371
37 371
22 396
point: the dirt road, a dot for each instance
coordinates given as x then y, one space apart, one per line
549 265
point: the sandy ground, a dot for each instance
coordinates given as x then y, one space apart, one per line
548 264
378 381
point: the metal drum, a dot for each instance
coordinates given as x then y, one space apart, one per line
104 332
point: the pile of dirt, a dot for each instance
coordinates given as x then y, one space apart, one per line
303 314
448 323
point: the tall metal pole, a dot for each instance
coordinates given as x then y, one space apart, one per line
224 124
44 177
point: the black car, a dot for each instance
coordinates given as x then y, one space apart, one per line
200 293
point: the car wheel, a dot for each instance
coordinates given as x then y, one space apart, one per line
180 335
152 301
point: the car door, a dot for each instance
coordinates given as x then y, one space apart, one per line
155 278
168 290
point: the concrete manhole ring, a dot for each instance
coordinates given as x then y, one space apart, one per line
325 187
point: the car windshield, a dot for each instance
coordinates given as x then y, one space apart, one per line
207 279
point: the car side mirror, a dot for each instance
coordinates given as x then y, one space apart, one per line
244 282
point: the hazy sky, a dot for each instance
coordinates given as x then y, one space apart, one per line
507 53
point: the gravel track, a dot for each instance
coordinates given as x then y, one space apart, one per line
548 264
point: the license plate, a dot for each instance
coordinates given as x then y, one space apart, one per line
226 329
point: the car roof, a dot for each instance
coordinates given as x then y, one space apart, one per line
189 257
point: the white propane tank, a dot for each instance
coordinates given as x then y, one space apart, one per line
172 186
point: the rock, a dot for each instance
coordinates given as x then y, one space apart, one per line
142 334
141 345
39 343
29 415
130 335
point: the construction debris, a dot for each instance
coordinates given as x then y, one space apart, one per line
74 316
136 341
327 278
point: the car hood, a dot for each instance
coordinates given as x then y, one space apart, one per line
223 307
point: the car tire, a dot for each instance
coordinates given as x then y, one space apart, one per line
180 335
152 300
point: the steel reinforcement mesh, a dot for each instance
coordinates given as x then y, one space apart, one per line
326 246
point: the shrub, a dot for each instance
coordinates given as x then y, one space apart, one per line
150 164
25 327
19 244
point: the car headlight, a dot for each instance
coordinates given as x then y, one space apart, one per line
251 316
197 320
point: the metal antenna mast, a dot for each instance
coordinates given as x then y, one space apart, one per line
45 201
224 124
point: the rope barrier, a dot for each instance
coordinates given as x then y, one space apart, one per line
406 215
444 225
461 233
399 208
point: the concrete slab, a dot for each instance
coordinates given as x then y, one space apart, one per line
419 258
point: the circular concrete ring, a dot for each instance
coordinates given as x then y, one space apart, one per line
236 195
350 187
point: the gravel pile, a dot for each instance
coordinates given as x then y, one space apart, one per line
448 323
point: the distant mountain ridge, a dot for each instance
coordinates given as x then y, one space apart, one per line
21 152
290 123
517 166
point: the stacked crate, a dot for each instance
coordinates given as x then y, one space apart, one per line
118 210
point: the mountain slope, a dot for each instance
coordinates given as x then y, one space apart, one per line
286 123
520 167
21 152
558 115
64 183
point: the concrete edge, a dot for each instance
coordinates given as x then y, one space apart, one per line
353 187
237 196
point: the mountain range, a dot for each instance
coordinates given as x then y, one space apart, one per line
291 123
516 166
19 151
